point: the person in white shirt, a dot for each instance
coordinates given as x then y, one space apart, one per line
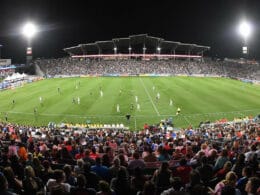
117 108
251 153
158 95
170 102
138 107
136 99
40 99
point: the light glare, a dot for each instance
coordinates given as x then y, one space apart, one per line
29 30
245 29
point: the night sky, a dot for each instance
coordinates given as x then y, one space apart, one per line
65 23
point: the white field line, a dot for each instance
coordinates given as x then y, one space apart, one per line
155 108
185 118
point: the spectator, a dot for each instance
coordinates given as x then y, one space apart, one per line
252 186
230 180
79 168
120 184
183 171
92 178
136 162
150 157
4 186
149 189
138 180
161 177
105 189
205 170
239 165
31 184
69 178
80 188
57 182
221 160
100 170
241 183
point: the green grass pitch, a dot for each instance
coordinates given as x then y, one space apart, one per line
200 99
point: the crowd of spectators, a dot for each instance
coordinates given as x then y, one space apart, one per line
220 159
208 160
77 66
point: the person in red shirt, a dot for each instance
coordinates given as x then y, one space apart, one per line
68 146
222 172
80 155
183 171
93 153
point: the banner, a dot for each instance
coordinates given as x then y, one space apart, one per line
4 62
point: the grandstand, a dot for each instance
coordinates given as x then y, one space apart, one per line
137 46
143 54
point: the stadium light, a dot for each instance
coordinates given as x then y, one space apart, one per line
29 30
245 29
129 49
115 49
144 48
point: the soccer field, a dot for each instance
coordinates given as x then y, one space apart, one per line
200 99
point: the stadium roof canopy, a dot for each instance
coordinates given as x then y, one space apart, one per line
141 43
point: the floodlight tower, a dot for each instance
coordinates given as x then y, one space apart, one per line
245 30
29 30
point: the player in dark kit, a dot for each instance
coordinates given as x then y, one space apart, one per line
132 106
128 117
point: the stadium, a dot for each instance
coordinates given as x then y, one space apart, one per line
131 72
133 115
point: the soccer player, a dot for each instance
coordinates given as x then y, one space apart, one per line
78 100
136 98
178 111
40 99
153 88
6 116
128 117
101 93
35 110
59 90
73 100
132 106
158 95
138 107
13 101
170 102
117 108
